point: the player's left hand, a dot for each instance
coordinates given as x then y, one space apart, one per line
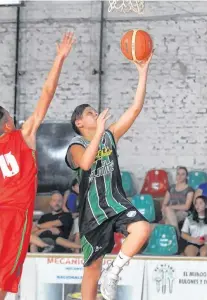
65 46
142 66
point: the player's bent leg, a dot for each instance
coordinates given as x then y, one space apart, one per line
91 277
139 233
2 295
133 225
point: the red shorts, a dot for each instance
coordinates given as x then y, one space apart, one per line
15 230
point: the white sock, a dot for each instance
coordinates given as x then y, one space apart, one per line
119 262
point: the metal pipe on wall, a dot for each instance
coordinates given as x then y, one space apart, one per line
16 63
101 55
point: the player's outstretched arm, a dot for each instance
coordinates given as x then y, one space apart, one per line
127 119
32 124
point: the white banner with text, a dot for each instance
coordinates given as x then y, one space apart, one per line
54 277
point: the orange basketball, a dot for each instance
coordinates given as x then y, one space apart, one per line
136 45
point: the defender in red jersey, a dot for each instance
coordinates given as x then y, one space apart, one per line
18 178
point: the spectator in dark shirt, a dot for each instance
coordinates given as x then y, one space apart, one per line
178 200
55 226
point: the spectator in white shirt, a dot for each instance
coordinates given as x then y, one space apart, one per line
194 229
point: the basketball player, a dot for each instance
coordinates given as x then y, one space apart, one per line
104 208
18 178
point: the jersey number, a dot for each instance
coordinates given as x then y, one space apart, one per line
8 165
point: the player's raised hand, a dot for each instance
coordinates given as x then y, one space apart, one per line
101 121
65 46
142 66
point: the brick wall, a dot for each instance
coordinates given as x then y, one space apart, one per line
172 128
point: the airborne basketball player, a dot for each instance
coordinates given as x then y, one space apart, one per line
104 208
18 178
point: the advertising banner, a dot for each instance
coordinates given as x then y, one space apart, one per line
60 278
174 279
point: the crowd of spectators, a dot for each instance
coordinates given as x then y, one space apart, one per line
186 210
181 207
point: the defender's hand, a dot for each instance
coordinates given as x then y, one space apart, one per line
64 48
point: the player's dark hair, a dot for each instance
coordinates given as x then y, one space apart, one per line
76 115
195 213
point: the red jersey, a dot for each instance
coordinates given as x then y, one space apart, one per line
18 172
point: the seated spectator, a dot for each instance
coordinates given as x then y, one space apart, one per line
71 198
178 200
55 226
71 205
201 191
35 240
194 229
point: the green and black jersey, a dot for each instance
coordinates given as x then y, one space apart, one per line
101 193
